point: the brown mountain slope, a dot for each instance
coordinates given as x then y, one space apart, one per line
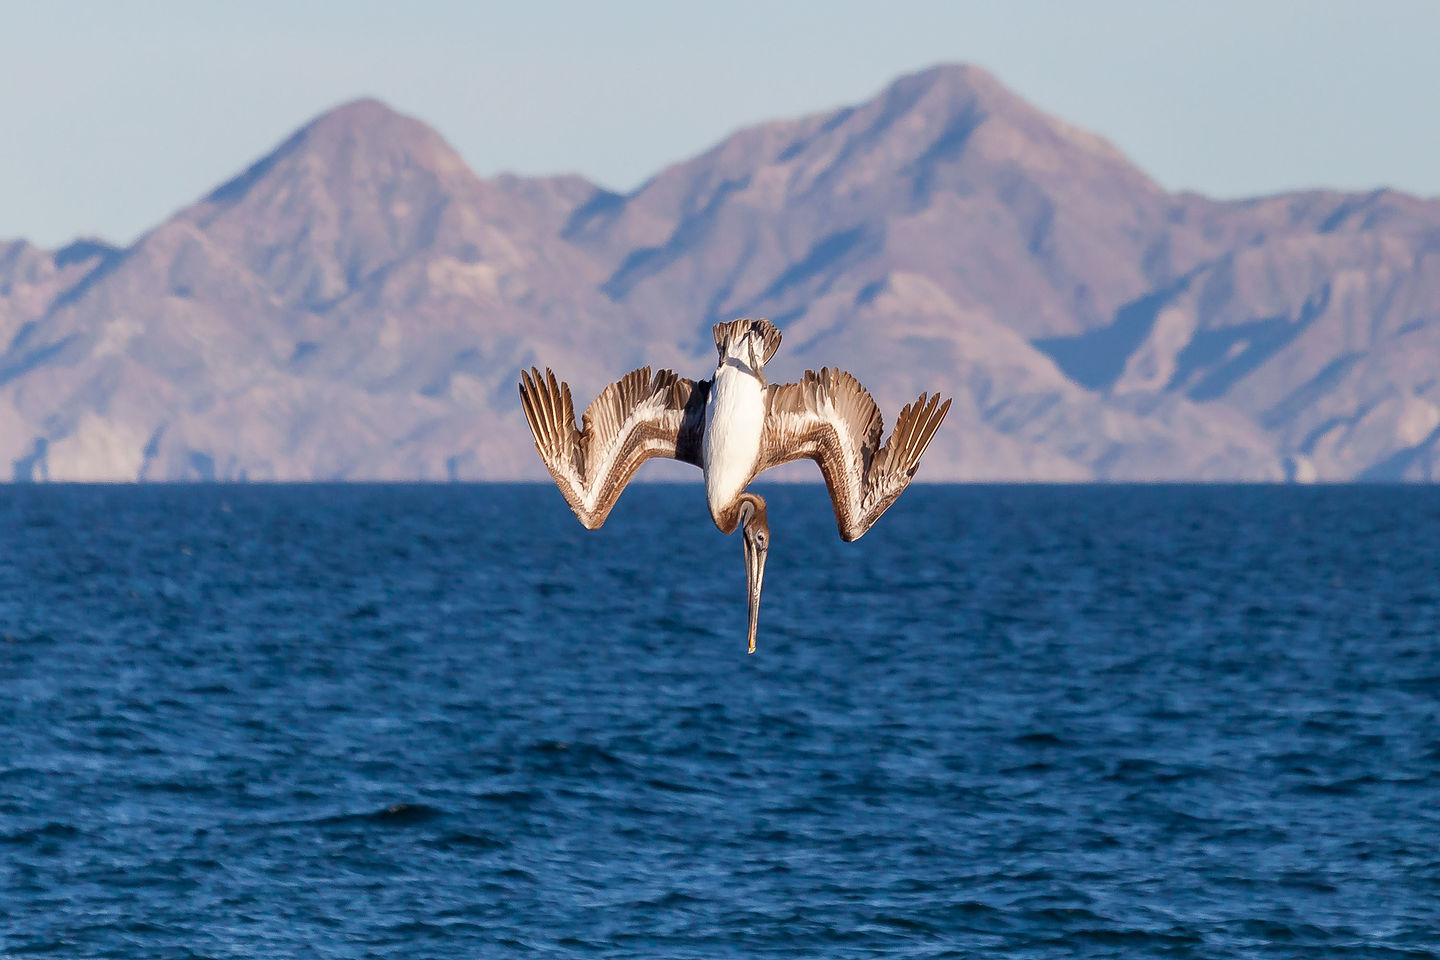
338 310
1324 330
355 304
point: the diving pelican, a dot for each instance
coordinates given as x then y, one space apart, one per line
733 426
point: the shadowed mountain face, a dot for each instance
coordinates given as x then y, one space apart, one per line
357 303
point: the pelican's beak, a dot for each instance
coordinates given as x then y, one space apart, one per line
754 576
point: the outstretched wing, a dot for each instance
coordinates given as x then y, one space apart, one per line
830 418
635 418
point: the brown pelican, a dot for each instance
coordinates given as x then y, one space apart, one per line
732 426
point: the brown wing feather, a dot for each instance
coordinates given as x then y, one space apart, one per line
830 418
635 418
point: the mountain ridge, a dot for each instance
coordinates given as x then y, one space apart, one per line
354 304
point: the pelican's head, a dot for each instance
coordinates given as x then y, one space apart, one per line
755 531
751 342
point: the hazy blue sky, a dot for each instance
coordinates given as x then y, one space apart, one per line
112 115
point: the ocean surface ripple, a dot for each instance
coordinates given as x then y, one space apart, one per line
445 721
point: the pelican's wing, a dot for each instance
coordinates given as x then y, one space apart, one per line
831 419
635 418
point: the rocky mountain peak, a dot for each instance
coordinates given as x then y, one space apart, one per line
357 141
354 189
356 303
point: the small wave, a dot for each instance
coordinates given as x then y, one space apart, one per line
1341 788
1027 769
200 788
1421 685
1141 770
905 924
49 831
1276 931
34 638
672 787
564 757
207 690
1133 938
395 815
669 900
468 840
511 798
1302 880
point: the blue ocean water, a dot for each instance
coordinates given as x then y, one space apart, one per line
446 721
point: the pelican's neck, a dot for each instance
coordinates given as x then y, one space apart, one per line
734 421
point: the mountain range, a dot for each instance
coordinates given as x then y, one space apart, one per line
356 305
